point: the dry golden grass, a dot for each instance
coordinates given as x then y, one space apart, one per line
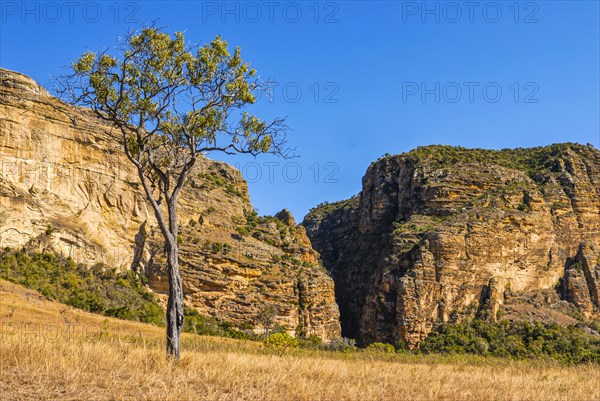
49 351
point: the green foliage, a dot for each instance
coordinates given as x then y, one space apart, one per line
326 208
533 161
217 247
212 180
524 207
312 341
280 341
242 230
140 81
576 266
253 220
49 230
594 325
413 228
97 289
193 322
261 227
516 340
381 348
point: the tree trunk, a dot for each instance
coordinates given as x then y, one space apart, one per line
175 302
170 232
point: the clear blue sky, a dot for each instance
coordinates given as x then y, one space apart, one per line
374 77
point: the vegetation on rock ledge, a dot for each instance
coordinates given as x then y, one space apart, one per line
325 208
532 161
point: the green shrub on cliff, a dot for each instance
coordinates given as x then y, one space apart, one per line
325 208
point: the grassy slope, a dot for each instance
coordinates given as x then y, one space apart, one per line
52 351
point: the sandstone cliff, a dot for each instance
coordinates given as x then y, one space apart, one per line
65 186
440 234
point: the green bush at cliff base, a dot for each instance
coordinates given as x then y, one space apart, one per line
280 341
517 340
209 326
313 341
381 348
96 289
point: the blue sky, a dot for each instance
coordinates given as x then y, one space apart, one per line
360 79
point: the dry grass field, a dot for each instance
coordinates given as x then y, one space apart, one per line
53 352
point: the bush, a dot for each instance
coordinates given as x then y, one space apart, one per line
280 342
381 348
314 340
194 322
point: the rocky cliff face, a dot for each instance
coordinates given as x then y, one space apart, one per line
441 234
65 186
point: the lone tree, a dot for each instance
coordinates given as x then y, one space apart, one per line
168 102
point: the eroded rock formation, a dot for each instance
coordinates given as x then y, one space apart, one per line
66 186
440 234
